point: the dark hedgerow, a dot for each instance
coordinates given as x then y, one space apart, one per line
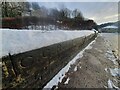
24 22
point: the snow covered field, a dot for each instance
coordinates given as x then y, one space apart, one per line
17 41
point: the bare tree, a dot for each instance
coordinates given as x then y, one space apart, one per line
12 9
35 6
77 14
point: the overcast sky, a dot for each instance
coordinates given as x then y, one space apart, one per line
102 11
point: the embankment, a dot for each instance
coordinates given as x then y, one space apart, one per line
33 69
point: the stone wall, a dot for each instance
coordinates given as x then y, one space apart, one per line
34 69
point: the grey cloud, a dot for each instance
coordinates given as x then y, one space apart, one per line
96 10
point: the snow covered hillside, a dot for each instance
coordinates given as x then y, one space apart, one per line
17 41
114 27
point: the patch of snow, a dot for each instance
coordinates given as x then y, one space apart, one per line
66 82
98 50
15 41
75 69
105 86
90 47
95 30
111 27
111 85
115 80
115 72
106 69
62 72
0 64
59 21
111 57
0 43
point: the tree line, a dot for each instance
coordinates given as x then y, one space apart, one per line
23 14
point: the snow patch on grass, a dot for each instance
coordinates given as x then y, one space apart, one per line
66 82
111 85
75 69
106 70
115 72
110 56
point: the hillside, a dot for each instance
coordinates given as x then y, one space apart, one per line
110 27
109 24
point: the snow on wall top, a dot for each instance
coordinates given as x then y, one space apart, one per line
17 41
